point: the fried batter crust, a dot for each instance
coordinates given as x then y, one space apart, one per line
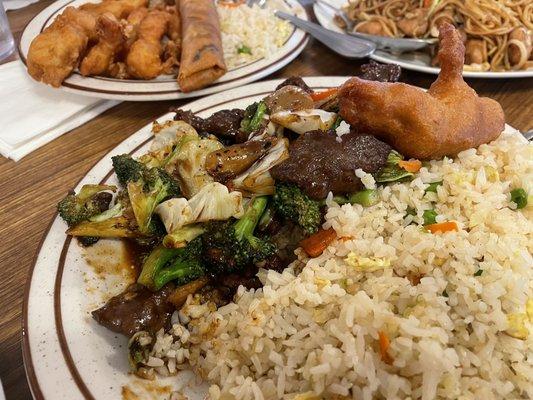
450 117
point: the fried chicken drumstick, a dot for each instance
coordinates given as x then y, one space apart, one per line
447 119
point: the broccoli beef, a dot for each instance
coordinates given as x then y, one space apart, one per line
320 163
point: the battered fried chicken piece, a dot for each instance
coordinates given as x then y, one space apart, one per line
447 119
144 59
119 8
55 53
102 54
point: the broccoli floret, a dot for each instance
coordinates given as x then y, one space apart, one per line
230 246
147 187
127 169
164 265
293 204
90 201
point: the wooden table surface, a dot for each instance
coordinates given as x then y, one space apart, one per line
31 187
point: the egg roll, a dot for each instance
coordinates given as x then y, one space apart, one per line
202 57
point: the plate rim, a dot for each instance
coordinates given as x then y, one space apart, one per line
301 39
388 58
202 104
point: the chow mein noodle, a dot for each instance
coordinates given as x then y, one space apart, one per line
497 33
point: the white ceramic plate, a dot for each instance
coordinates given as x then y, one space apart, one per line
415 61
164 87
67 355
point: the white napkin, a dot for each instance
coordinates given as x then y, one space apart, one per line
32 114
16 4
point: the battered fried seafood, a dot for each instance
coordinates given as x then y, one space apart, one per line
55 53
447 119
119 8
144 59
102 54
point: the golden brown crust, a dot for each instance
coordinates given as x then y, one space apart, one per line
447 119
55 53
102 54
202 58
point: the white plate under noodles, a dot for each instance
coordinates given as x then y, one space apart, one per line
416 61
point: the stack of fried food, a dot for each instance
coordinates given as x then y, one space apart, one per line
131 39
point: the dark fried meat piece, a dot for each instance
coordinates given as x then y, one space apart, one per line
190 118
295 81
224 124
375 71
136 309
318 163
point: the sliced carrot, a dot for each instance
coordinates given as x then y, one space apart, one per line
315 244
411 165
447 226
317 96
427 3
384 345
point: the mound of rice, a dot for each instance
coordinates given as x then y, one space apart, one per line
251 33
456 307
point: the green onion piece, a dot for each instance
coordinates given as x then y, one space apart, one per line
429 217
394 157
248 114
478 272
410 211
433 187
366 198
519 197
243 49
391 172
336 123
256 120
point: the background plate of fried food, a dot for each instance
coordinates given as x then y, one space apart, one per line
498 34
142 50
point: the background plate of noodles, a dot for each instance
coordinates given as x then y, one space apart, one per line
498 33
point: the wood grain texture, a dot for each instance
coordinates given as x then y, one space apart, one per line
30 188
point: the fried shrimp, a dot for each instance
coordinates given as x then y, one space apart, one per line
119 8
55 53
450 117
144 58
102 54
172 48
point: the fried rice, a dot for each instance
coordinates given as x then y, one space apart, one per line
389 310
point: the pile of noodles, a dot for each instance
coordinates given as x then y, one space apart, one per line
491 23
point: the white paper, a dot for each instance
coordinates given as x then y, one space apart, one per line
32 114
